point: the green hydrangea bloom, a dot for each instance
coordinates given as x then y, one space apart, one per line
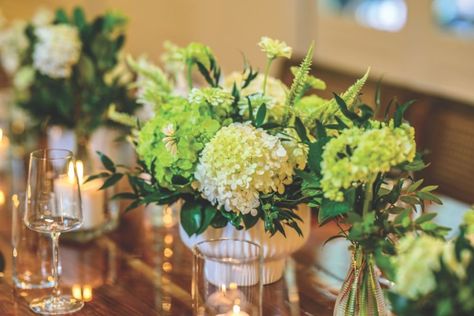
220 100
175 137
197 52
358 155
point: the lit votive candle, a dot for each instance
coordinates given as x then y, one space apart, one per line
223 299
92 198
235 312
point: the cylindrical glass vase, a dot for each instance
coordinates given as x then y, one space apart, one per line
361 294
227 278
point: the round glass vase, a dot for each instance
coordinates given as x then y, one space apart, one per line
361 294
100 213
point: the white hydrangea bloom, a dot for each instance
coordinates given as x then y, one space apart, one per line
58 49
238 164
42 17
13 43
275 94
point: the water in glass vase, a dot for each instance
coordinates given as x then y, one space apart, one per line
361 294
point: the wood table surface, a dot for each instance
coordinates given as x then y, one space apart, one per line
140 269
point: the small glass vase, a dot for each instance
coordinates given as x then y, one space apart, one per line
361 294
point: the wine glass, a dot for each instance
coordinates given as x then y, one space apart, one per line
53 206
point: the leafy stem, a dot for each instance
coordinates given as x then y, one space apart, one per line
367 198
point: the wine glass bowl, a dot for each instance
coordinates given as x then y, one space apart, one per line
53 206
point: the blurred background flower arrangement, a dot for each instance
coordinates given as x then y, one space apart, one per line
66 70
433 276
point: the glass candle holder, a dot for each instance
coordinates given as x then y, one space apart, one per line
227 278
31 251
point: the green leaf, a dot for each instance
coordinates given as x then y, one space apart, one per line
343 107
111 181
219 221
106 162
208 213
252 119
425 218
250 220
133 205
320 130
191 217
301 130
79 17
315 154
401 111
330 209
414 186
124 196
429 188
429 197
401 217
261 114
61 16
97 176
410 199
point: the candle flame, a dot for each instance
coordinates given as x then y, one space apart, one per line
236 309
1 134
2 197
79 169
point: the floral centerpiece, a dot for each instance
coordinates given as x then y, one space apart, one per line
66 70
433 276
231 150
361 177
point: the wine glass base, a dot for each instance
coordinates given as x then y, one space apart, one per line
56 305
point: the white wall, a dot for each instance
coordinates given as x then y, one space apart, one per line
228 26
420 56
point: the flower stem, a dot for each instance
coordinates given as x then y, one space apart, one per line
189 76
267 71
368 198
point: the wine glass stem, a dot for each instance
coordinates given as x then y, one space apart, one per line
55 239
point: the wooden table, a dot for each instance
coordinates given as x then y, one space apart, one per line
145 270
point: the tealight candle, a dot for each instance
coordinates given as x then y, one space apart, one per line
224 298
235 312
92 198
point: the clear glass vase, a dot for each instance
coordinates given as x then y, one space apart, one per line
361 294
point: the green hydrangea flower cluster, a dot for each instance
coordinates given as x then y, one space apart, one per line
358 155
220 100
175 136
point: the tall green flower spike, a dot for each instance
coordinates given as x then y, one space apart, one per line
301 77
351 94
